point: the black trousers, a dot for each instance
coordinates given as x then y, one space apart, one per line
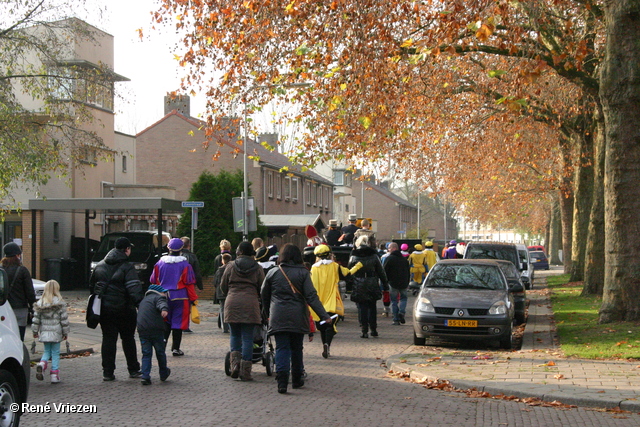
368 316
121 324
176 337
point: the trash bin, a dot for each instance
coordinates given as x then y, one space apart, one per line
62 270
54 269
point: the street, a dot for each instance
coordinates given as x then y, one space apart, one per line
349 388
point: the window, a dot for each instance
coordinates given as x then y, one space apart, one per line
314 194
270 184
287 188
88 155
279 187
124 164
338 177
308 193
319 195
346 207
326 197
56 232
294 189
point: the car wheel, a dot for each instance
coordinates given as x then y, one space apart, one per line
507 341
227 363
269 363
9 395
418 341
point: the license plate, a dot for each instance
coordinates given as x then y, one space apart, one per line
461 323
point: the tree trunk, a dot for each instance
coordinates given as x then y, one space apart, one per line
566 205
554 244
620 97
582 200
594 256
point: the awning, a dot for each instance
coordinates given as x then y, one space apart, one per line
293 221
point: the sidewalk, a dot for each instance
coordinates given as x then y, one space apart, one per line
538 370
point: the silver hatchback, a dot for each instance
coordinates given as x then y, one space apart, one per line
465 299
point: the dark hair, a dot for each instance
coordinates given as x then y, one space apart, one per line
245 248
290 254
226 258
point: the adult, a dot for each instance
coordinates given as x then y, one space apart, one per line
241 284
366 287
115 279
286 293
397 270
366 231
220 296
257 243
174 273
332 235
451 250
432 257
225 248
349 231
22 297
418 261
325 275
193 260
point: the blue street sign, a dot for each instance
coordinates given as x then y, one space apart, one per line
193 204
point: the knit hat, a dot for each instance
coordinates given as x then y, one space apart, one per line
157 288
123 243
245 248
11 249
175 244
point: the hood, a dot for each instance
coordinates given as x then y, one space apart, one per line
363 251
115 256
245 265
464 298
396 253
42 307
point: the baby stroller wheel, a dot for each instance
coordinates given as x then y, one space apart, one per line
269 363
227 363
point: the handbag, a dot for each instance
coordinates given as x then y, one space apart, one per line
195 314
93 311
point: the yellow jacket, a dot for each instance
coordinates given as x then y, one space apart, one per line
431 258
325 276
417 260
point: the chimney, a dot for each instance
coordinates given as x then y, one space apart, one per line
269 138
181 103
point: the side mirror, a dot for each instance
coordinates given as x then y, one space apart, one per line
516 287
4 286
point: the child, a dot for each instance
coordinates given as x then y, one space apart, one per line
152 311
51 326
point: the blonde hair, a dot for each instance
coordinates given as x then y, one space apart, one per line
257 243
362 241
51 290
225 244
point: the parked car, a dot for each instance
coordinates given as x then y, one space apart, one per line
464 299
15 368
144 253
513 278
536 248
38 287
495 250
527 274
539 260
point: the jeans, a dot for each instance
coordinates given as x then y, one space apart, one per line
149 343
289 352
242 339
395 307
368 316
112 325
51 351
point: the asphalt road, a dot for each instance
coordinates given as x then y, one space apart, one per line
351 388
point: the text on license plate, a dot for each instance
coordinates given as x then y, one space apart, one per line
461 323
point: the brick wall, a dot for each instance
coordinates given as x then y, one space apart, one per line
208 291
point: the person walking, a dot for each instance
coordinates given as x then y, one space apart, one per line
325 275
432 257
397 270
195 264
241 284
116 281
366 287
418 261
50 326
154 308
286 293
220 296
22 297
174 273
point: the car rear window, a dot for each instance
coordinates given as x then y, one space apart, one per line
465 276
537 255
492 252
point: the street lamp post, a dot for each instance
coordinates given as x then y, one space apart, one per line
245 192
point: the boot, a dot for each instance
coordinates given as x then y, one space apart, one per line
325 350
40 368
55 377
236 356
283 381
245 370
297 380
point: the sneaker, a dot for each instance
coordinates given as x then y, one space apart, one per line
401 316
177 352
40 368
108 377
146 381
396 322
55 377
137 374
166 376
188 331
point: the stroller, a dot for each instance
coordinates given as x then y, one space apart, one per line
262 351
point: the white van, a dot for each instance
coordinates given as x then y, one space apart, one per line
15 365
527 273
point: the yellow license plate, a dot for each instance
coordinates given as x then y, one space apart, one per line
461 323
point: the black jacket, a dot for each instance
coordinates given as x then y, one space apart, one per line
21 294
398 270
366 281
195 264
287 310
332 237
124 290
150 320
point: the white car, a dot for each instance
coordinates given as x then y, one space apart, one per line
38 287
527 273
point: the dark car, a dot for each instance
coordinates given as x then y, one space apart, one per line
144 253
465 300
513 278
539 260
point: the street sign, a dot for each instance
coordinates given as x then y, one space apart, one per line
193 204
238 217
